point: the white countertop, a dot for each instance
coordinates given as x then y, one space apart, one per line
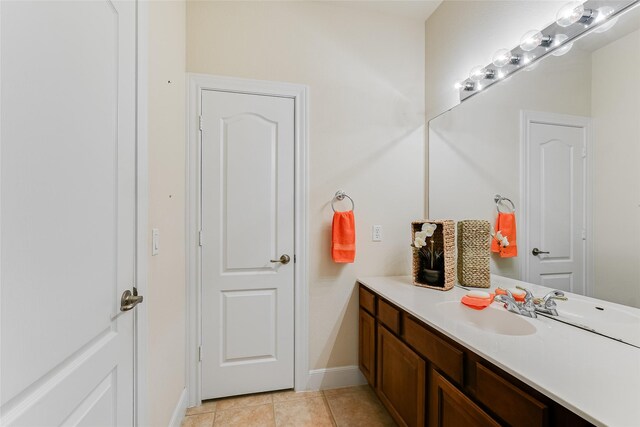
596 377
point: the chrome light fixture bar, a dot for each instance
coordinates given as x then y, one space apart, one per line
573 21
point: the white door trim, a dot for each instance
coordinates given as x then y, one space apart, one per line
299 93
526 119
141 390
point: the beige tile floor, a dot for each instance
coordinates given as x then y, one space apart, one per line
348 407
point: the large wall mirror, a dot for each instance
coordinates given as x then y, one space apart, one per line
561 140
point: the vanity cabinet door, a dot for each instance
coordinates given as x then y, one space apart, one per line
401 380
367 346
449 407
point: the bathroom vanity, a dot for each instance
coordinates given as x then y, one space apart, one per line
433 361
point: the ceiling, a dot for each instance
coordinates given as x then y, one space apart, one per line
418 10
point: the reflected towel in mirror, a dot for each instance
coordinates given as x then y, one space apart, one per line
506 225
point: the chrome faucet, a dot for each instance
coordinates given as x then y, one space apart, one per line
531 305
548 304
524 309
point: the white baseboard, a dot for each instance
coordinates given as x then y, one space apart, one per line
343 376
180 410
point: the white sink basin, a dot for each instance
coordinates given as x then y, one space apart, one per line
494 319
615 321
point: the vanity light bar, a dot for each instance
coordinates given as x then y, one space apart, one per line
572 22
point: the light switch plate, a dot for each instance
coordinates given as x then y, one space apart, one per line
155 241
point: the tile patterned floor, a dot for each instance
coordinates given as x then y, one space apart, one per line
342 407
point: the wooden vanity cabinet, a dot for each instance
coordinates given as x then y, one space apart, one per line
367 335
449 407
367 346
401 380
426 379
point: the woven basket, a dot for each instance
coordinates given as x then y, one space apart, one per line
474 249
444 238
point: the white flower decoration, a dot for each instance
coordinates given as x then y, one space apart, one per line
504 242
419 242
421 235
429 228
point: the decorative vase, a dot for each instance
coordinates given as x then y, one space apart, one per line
474 246
433 277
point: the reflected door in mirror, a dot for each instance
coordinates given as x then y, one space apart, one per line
555 202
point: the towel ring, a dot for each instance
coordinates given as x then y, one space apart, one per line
340 195
499 199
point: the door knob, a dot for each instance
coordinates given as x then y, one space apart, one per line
130 299
284 259
536 252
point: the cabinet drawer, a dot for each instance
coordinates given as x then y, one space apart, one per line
367 300
442 354
507 401
389 316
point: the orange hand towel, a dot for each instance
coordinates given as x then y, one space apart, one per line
343 237
506 225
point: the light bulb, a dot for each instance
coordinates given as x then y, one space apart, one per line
527 58
458 85
528 62
501 58
500 74
477 73
561 50
570 13
531 40
604 13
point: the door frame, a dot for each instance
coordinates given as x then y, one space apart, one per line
141 405
526 119
197 83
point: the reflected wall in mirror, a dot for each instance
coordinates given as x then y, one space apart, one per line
562 141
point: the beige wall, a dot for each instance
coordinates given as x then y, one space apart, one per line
166 292
616 193
365 71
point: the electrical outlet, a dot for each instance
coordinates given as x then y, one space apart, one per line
376 234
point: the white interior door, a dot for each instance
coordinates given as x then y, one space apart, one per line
556 204
247 225
67 212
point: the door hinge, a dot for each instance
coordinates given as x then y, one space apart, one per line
200 122
584 234
584 152
294 258
200 238
200 354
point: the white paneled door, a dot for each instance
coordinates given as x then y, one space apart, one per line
556 226
68 141
247 243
